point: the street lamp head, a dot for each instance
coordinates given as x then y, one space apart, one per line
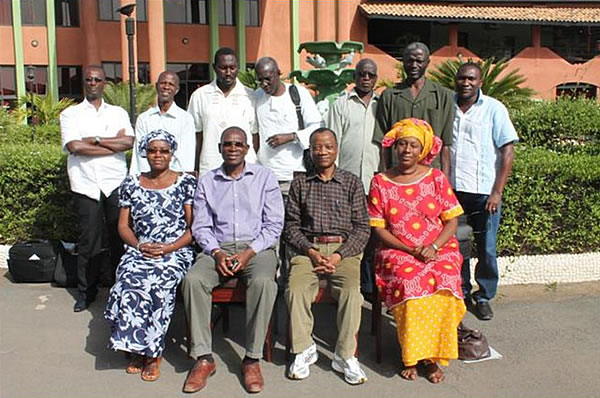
127 10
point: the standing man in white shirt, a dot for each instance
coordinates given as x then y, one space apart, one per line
282 142
167 116
96 135
482 155
223 103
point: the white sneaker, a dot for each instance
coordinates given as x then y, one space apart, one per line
353 374
299 370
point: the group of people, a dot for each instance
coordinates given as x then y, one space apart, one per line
369 206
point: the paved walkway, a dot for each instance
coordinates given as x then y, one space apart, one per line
548 336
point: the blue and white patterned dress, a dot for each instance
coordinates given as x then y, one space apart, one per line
141 302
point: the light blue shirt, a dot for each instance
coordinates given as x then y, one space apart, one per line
478 135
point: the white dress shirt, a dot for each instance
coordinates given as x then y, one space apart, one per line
213 112
277 115
175 121
91 175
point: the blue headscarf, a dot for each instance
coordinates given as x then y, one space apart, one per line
161 135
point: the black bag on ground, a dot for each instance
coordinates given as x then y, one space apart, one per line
65 273
33 261
472 344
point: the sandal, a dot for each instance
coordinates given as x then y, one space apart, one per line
136 364
151 371
433 372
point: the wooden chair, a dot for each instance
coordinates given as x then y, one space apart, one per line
463 234
234 292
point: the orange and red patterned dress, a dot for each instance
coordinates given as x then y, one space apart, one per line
426 298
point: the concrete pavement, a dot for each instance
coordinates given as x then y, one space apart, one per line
547 335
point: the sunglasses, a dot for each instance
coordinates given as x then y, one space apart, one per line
94 79
161 151
236 144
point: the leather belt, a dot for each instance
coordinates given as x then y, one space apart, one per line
327 239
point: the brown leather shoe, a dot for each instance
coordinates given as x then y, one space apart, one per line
253 380
196 379
151 371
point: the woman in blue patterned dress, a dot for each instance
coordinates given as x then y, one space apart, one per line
154 223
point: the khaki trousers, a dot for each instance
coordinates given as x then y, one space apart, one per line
302 289
202 278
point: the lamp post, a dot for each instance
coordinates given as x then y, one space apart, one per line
127 10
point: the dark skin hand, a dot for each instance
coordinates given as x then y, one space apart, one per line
223 261
324 264
279 139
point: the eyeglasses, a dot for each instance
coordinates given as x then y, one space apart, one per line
94 79
236 144
161 151
370 75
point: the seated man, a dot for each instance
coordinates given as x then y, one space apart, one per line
327 228
238 217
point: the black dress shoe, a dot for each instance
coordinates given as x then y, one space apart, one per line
81 304
484 311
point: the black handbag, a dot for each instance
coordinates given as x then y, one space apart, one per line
65 273
472 344
33 261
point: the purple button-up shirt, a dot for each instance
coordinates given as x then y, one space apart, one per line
247 208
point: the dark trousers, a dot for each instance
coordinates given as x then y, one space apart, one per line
96 218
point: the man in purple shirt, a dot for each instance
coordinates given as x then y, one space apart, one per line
238 217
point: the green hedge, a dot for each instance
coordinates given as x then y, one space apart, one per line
35 199
566 125
551 204
23 134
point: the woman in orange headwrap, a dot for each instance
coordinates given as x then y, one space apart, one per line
413 212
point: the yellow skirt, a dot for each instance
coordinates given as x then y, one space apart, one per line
427 327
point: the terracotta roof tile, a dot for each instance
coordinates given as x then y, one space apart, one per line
532 13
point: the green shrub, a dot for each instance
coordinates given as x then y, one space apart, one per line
551 204
565 125
35 199
23 134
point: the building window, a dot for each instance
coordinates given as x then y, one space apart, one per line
186 11
252 12
69 82
8 86
226 12
66 12
5 12
576 90
113 72
191 76
108 10
33 12
36 79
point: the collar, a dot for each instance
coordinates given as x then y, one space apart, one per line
480 98
87 104
336 176
172 111
248 170
354 94
403 89
236 90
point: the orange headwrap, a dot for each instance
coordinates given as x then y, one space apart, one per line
419 129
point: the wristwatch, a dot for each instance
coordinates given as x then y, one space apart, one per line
97 140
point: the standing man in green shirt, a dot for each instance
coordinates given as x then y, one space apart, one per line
420 98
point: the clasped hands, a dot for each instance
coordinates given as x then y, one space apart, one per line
225 264
155 249
279 139
424 253
324 264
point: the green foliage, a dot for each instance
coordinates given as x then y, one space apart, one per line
551 204
506 88
35 199
564 125
118 94
41 109
23 134
248 78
